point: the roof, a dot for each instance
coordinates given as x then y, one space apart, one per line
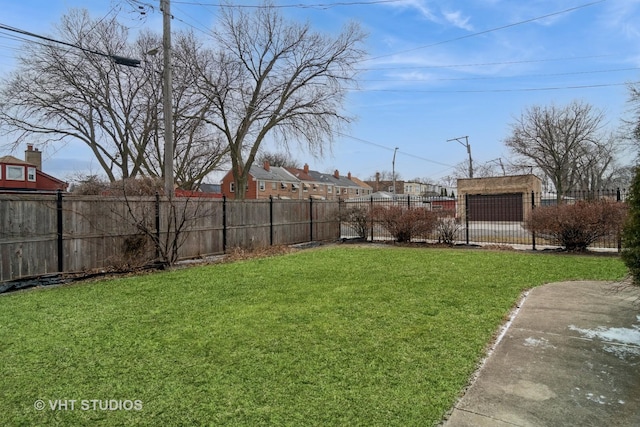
326 178
275 173
300 174
210 188
360 183
14 160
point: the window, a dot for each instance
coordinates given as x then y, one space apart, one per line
305 187
357 191
274 185
329 189
294 187
337 190
232 187
31 174
15 173
261 185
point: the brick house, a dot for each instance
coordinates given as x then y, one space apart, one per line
310 187
292 183
365 189
27 175
339 186
264 181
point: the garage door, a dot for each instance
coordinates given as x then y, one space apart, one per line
496 207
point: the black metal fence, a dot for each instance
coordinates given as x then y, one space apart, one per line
482 219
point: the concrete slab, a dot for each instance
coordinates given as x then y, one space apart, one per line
571 357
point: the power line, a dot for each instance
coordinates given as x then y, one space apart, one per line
572 73
117 59
488 31
482 64
292 6
592 86
384 147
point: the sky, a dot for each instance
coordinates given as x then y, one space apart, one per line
435 71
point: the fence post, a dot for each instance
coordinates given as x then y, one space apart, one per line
224 224
311 219
59 231
466 217
619 199
270 220
371 217
533 206
157 225
408 201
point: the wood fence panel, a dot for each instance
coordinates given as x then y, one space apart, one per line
204 233
291 222
248 223
99 231
325 222
96 229
28 235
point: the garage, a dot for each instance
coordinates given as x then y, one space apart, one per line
496 207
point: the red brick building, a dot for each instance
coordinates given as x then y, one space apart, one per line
291 183
264 181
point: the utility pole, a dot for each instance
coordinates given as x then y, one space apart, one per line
465 144
393 171
167 99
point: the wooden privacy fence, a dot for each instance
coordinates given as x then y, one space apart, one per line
41 234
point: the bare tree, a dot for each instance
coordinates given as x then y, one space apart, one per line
385 175
480 170
61 94
266 76
558 140
632 131
280 158
198 148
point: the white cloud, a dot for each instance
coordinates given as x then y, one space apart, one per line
419 5
456 19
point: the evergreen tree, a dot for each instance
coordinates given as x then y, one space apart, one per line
631 232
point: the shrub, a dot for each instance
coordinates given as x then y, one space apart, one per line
576 226
357 218
405 223
447 229
631 231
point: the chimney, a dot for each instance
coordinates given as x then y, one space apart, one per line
306 168
377 181
266 165
33 156
349 175
336 174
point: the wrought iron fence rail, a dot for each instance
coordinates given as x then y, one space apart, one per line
490 229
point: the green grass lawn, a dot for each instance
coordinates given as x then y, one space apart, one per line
329 337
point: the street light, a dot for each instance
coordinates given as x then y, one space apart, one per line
465 144
393 171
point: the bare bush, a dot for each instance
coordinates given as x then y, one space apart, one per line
404 224
576 226
357 218
447 229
